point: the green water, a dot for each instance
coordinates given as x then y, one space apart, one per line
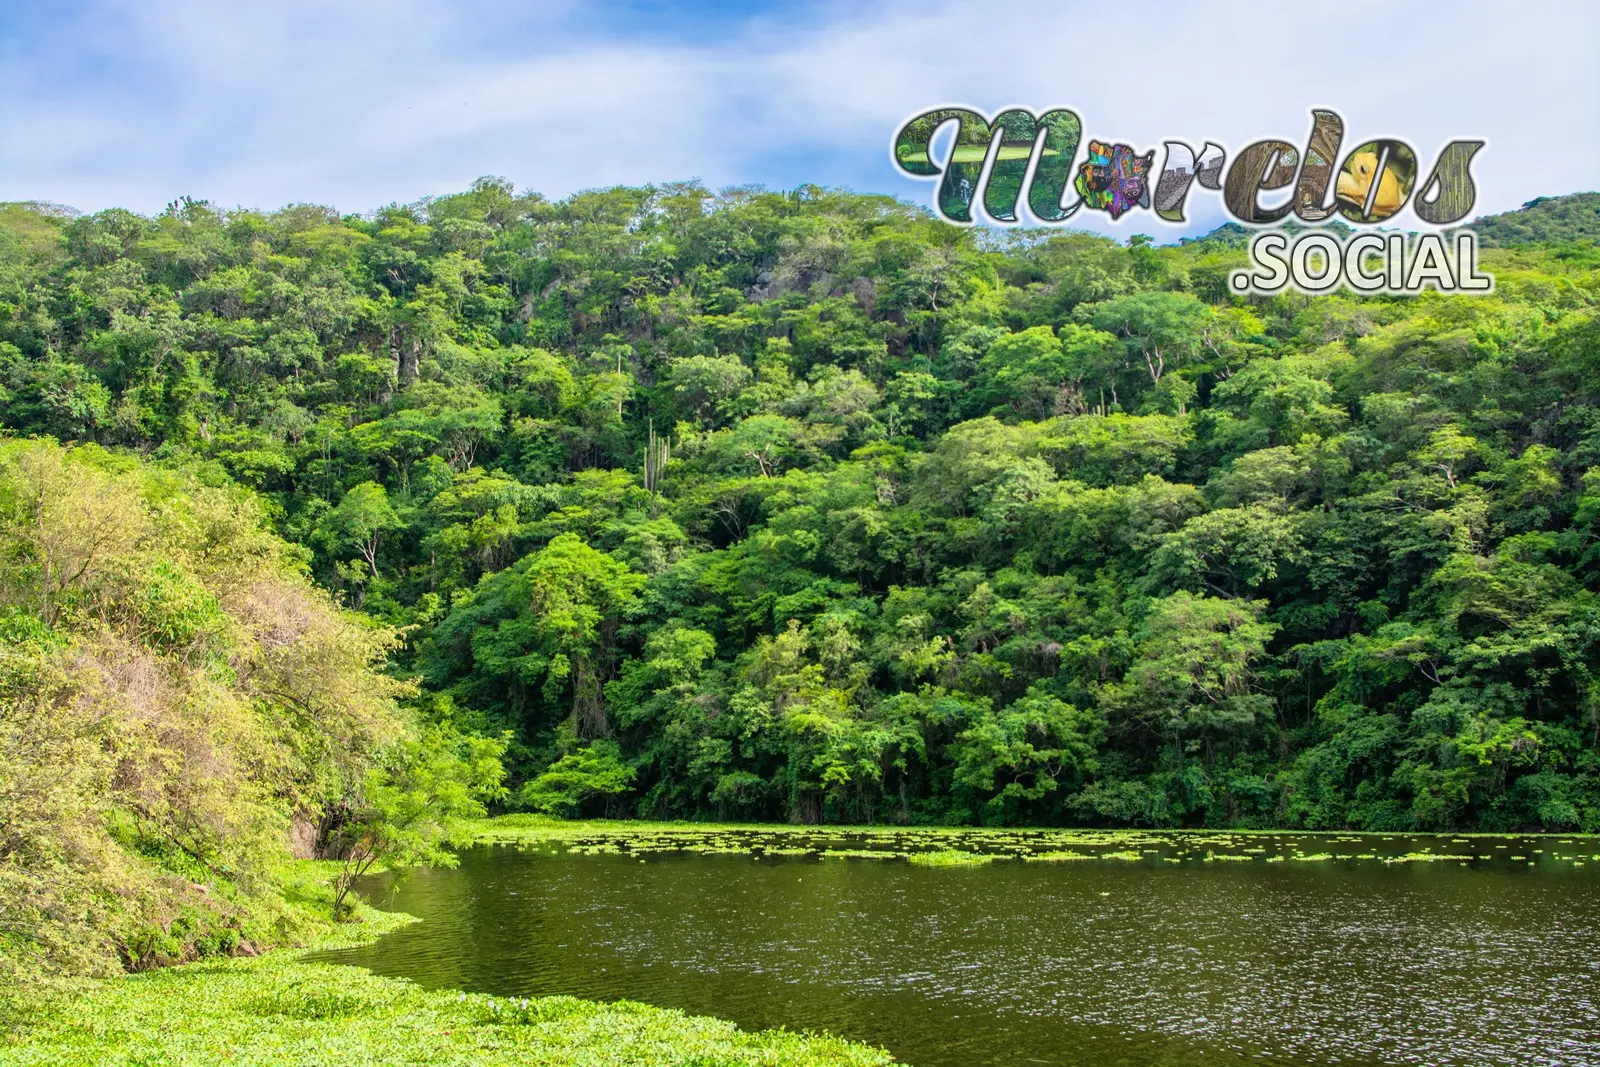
1177 957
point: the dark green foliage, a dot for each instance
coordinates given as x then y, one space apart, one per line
955 526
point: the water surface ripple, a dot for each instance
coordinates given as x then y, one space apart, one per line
1098 962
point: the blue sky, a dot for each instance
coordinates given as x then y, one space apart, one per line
357 105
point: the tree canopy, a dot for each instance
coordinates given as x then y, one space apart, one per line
809 506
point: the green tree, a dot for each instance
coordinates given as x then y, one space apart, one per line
363 516
1195 672
415 805
592 770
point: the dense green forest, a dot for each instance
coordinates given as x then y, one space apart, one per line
808 506
1559 220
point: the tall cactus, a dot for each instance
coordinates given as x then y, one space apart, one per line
657 452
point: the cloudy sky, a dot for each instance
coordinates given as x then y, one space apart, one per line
136 103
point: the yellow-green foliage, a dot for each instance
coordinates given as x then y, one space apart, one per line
173 690
951 857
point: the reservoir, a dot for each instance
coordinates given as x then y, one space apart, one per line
1014 948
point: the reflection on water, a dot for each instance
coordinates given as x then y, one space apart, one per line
1089 962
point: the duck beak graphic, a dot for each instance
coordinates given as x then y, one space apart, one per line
1356 179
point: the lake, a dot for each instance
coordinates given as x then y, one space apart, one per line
1035 948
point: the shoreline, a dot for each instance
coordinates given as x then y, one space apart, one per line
283 1008
279 1008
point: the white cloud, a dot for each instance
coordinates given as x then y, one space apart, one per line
370 103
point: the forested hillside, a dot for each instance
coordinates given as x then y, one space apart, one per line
809 506
1560 220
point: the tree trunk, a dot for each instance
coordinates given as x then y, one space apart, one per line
394 366
408 362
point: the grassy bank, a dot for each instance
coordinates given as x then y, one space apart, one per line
278 1009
